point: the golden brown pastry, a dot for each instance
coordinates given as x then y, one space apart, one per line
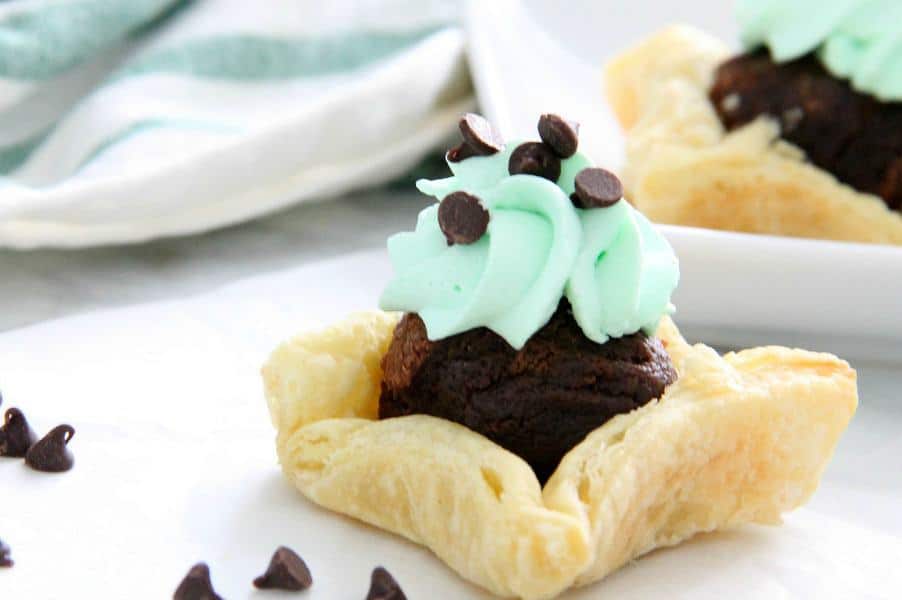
739 438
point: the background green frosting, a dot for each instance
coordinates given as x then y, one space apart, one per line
858 40
617 272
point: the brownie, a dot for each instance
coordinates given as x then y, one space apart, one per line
537 402
852 135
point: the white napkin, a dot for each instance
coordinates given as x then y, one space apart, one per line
123 120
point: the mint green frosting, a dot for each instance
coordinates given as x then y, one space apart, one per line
615 269
623 276
858 40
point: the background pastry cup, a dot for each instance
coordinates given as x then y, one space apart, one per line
684 168
737 439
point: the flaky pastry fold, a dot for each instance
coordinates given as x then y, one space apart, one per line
682 167
738 438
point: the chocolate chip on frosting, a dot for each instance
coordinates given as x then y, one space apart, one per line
462 218
16 436
480 135
5 558
384 587
596 188
196 585
286 571
51 454
535 158
561 135
460 152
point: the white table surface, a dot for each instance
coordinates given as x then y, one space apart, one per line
155 361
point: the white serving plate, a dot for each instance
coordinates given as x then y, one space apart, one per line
534 56
175 463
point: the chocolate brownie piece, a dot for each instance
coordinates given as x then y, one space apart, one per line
537 402
852 135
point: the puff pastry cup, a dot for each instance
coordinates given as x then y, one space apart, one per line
684 168
738 438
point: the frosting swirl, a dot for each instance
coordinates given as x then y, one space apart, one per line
858 40
624 274
613 267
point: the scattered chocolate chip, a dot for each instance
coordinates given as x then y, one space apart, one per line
5 559
460 152
286 571
196 585
596 188
535 158
462 218
16 436
480 135
51 454
561 135
384 587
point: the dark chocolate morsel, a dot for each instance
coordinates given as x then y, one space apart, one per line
16 436
596 188
561 135
480 135
286 571
535 158
462 218
196 585
5 559
51 454
460 152
384 587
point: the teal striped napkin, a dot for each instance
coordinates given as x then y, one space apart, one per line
124 120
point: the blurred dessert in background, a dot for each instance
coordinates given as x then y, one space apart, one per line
799 135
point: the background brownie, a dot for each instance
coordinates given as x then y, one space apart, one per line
852 135
538 402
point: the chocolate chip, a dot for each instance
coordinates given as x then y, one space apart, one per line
16 436
51 454
286 571
460 152
462 218
384 587
196 585
596 188
561 135
5 559
535 158
480 135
